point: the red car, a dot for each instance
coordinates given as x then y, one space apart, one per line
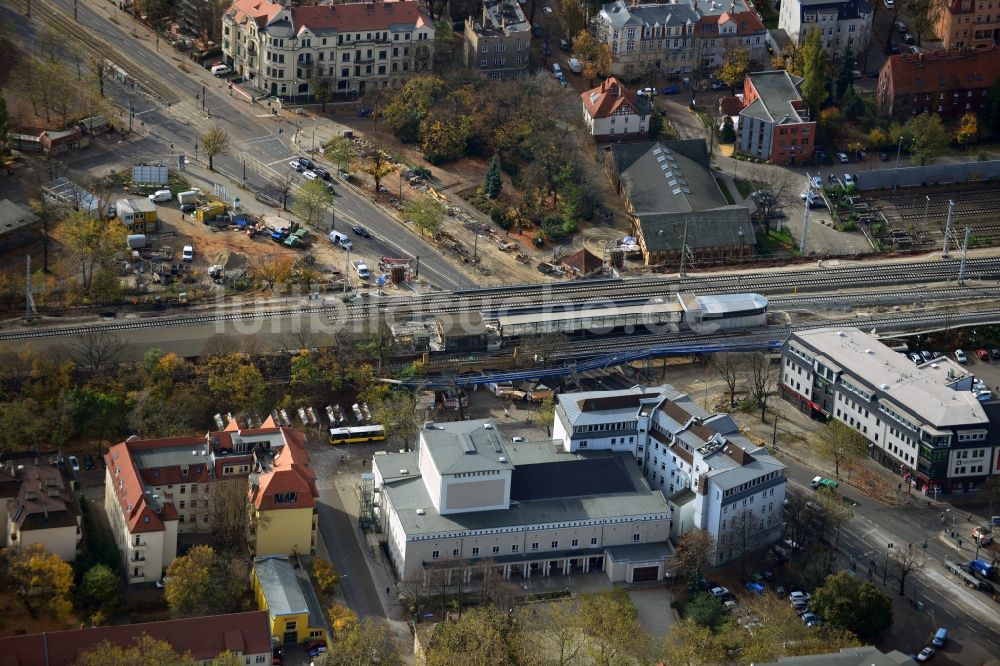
983 354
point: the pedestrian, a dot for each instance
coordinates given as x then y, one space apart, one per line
387 590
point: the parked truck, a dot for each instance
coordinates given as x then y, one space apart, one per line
137 241
361 268
206 213
188 198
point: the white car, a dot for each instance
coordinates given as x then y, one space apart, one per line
647 91
548 10
718 592
844 159
889 4
817 182
309 175
297 165
848 179
925 654
74 463
799 596
961 357
187 254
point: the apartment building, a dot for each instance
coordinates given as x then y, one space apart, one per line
678 39
913 418
968 23
612 112
38 505
498 43
347 49
714 478
949 82
774 122
843 22
466 501
156 489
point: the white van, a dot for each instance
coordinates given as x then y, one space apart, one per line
220 70
160 196
575 65
340 239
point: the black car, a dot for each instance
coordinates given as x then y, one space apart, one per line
88 462
564 44
321 172
306 162
995 354
361 231
884 156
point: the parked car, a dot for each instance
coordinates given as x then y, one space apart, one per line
298 166
564 44
671 90
844 159
915 50
894 48
817 182
884 156
848 179
647 91
361 231
718 592
74 463
900 27
982 355
925 654
756 588
873 74
812 620
916 358
908 38
889 4
799 595
548 10
309 174
187 254
306 162
88 462
718 85
961 357
995 354
365 111
321 172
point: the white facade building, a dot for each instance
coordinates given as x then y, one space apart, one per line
843 22
613 112
916 418
38 505
464 501
348 49
715 478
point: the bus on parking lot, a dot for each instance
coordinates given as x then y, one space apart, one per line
368 433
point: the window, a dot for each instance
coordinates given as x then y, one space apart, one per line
475 551
636 537
514 548
575 543
454 552
534 545
496 549
434 555
555 544
593 541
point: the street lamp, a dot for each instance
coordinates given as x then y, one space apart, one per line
927 204
885 569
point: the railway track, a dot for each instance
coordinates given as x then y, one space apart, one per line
600 293
48 12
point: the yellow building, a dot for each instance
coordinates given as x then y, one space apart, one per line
283 516
138 215
285 593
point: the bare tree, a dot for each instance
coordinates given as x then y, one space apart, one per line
214 141
229 515
220 344
771 186
760 378
284 184
730 368
555 638
538 350
97 350
744 537
907 560
841 444
414 590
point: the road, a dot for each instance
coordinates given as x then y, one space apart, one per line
971 617
261 142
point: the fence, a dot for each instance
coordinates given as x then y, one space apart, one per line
932 174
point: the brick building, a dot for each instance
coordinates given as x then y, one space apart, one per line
774 123
949 82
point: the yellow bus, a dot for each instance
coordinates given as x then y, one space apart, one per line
368 433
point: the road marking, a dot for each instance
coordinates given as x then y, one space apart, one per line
991 642
260 139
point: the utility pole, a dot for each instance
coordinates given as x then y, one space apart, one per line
131 115
684 244
805 215
965 254
475 247
947 231
30 311
203 97
927 204
347 271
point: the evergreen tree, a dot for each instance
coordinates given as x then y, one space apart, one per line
816 71
845 75
728 134
493 184
991 110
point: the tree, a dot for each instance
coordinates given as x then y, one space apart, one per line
735 63
729 365
311 201
397 412
991 110
97 350
759 378
90 242
695 550
815 70
968 130
906 561
315 373
492 183
924 15
325 574
228 658
235 381
320 88
846 602
99 587
480 638
554 637
19 423
790 59
845 72
213 142
989 492
728 133
841 444
378 167
342 619
205 583
366 642
40 579
340 151
411 104
691 644
229 515
143 650
426 213
595 56
611 624
705 610
574 16
926 136
272 269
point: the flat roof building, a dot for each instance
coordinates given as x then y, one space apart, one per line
916 424
498 43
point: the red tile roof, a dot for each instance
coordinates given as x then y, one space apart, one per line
606 99
933 71
584 262
203 637
290 473
349 17
747 23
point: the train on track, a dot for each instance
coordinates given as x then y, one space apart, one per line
491 330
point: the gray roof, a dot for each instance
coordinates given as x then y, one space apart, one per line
14 216
465 446
723 303
641 552
619 14
409 494
502 17
280 586
667 176
890 375
846 9
718 227
572 404
143 205
857 656
777 89
727 473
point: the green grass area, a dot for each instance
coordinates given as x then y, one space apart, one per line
725 191
747 186
779 241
